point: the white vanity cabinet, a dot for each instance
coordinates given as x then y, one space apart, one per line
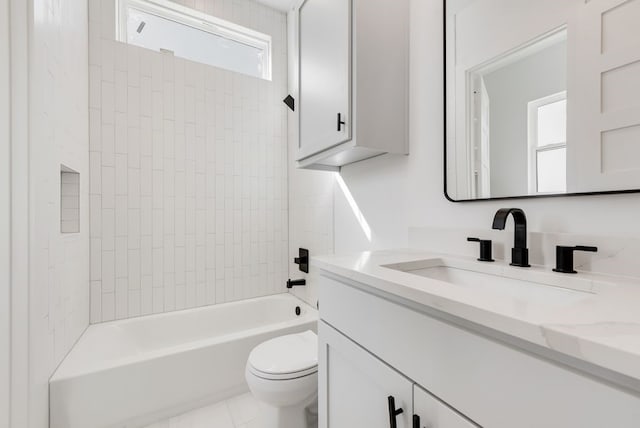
463 375
351 66
429 412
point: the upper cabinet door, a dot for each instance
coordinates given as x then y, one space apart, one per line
325 75
434 414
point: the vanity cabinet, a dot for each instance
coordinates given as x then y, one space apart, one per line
352 68
432 413
463 374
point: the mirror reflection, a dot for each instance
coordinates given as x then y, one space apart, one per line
538 98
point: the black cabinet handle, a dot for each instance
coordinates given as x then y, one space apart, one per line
416 421
393 412
340 122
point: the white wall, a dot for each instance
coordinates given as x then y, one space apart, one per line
409 192
58 134
189 172
5 215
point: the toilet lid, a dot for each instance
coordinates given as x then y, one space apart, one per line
293 354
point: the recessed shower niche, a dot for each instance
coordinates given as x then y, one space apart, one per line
69 200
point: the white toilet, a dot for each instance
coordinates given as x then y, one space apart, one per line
282 374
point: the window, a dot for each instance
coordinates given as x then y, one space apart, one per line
162 25
548 144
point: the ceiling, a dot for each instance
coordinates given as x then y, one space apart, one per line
282 5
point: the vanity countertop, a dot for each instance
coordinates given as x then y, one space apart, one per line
603 328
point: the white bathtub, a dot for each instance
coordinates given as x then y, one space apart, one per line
132 372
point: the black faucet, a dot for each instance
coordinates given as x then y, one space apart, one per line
296 283
519 252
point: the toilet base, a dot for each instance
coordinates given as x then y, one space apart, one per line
288 417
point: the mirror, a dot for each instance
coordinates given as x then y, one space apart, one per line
542 98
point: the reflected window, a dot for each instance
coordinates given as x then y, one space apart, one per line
162 25
548 144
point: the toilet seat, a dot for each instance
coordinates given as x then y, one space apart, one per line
286 357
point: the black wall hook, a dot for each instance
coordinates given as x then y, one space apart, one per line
290 102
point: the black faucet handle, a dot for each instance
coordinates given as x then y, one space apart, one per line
564 257
585 248
485 249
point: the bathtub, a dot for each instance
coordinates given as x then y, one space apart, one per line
133 372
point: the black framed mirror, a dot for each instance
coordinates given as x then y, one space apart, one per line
542 98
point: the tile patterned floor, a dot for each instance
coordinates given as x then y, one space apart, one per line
236 412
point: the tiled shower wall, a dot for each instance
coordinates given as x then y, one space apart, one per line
188 172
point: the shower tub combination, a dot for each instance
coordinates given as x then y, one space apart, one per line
133 372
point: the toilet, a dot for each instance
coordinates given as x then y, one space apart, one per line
282 374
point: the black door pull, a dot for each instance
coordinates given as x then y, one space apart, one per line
416 421
340 122
393 412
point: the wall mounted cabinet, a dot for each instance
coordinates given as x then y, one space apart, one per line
350 77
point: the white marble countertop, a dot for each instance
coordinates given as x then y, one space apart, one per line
599 324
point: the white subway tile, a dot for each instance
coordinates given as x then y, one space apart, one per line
120 57
120 137
121 216
120 91
96 302
146 295
95 215
134 190
133 228
133 104
108 271
158 267
108 306
146 256
95 87
134 303
121 257
134 274
169 287
122 297
108 144
95 129
108 185
158 300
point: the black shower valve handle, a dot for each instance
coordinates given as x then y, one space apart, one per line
302 260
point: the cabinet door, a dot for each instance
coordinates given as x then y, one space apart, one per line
435 414
324 74
354 386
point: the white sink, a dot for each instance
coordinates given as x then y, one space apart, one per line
529 285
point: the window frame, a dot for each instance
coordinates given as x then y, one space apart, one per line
532 131
198 20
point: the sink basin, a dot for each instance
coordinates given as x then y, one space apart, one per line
526 285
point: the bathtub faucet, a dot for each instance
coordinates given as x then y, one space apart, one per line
296 283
